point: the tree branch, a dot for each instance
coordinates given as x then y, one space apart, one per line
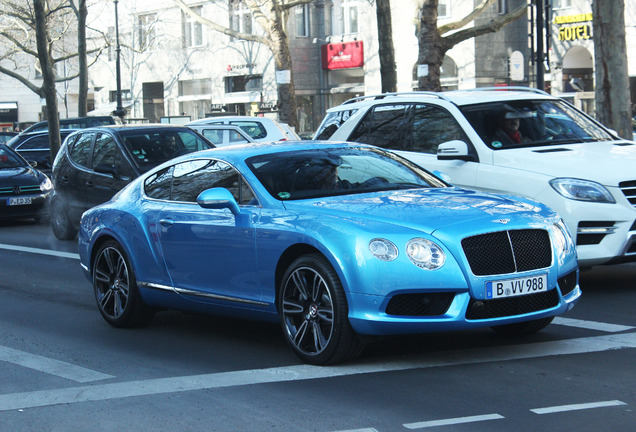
467 19
219 28
35 89
490 27
293 3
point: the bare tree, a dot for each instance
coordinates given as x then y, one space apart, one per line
271 15
385 44
610 64
433 45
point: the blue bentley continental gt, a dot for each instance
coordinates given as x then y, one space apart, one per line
336 241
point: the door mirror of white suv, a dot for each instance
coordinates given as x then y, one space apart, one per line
455 149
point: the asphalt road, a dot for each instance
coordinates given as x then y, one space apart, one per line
62 368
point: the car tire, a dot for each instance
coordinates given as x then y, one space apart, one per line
115 287
523 328
314 313
60 222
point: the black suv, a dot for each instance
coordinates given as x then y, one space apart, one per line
95 163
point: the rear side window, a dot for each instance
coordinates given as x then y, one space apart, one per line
332 123
254 129
411 127
81 149
35 143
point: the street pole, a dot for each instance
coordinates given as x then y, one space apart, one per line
539 37
119 111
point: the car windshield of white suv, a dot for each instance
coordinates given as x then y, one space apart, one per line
514 124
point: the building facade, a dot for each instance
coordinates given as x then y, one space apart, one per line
175 69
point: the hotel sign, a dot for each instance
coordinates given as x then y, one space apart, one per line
580 30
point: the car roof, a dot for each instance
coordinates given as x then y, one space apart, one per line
228 118
138 127
457 97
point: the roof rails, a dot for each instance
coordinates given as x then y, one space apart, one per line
384 95
505 88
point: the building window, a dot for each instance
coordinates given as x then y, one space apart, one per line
345 17
192 30
146 31
561 4
243 83
502 6
125 95
443 9
195 87
240 17
302 20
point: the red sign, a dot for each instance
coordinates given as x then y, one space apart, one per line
342 55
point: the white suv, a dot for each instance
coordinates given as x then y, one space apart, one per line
559 155
258 128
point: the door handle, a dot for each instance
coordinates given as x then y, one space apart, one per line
166 222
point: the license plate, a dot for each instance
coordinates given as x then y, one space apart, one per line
19 201
516 287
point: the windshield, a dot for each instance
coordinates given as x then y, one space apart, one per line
319 173
8 159
152 147
513 124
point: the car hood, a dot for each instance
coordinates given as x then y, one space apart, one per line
18 176
429 210
607 163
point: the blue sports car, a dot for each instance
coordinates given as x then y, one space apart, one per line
336 241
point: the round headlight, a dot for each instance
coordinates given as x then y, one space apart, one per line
383 249
425 254
46 185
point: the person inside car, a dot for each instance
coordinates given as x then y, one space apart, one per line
508 132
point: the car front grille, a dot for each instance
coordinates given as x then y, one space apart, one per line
508 251
629 190
511 306
21 190
431 304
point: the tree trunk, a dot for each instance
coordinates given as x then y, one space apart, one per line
431 52
610 64
82 105
385 45
287 105
48 76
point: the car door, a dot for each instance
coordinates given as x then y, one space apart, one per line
69 174
210 254
110 171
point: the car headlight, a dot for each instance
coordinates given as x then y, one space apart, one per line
425 254
383 249
582 190
46 185
562 239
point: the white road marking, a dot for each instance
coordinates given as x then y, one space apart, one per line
453 421
359 430
39 251
591 325
575 407
99 392
50 366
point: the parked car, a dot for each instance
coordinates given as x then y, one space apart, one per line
95 163
258 128
222 135
24 191
75 123
6 136
36 147
566 159
332 240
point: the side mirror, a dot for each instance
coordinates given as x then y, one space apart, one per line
454 150
218 198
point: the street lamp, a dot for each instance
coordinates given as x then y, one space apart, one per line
119 111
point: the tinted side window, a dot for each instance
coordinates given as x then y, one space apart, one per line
36 143
106 152
81 149
254 129
193 177
158 185
411 127
332 123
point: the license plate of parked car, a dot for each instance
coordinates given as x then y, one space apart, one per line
517 286
19 201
